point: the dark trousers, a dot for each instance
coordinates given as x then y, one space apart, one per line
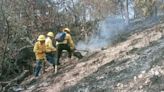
37 68
60 48
51 58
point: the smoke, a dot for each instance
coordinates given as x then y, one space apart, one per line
107 32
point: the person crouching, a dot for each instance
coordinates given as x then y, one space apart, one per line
65 43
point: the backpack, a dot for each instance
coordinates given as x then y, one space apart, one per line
60 37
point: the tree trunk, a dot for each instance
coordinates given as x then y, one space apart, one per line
127 12
7 33
121 8
155 10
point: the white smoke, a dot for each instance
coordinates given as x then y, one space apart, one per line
108 31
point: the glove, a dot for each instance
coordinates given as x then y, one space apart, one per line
43 51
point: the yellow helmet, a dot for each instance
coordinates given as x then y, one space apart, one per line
41 38
51 34
66 30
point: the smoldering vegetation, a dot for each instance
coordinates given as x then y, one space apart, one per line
104 35
113 30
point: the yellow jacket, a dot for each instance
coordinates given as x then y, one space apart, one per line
49 45
68 40
39 50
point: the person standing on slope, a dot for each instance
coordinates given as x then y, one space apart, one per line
39 50
64 42
50 49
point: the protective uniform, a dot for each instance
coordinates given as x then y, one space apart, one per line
50 49
67 44
39 50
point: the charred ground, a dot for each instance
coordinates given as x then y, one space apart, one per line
134 65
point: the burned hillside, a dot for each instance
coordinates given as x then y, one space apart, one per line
135 64
106 45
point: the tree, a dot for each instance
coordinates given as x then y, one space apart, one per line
127 12
146 8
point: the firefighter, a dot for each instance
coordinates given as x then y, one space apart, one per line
39 50
50 49
66 44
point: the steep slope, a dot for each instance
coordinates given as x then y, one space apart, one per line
135 65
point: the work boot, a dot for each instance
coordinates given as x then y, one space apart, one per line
54 66
58 63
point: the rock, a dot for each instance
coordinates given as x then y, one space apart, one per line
156 73
135 78
147 81
44 84
143 72
140 87
104 48
32 87
140 76
101 77
120 85
78 55
131 85
18 88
